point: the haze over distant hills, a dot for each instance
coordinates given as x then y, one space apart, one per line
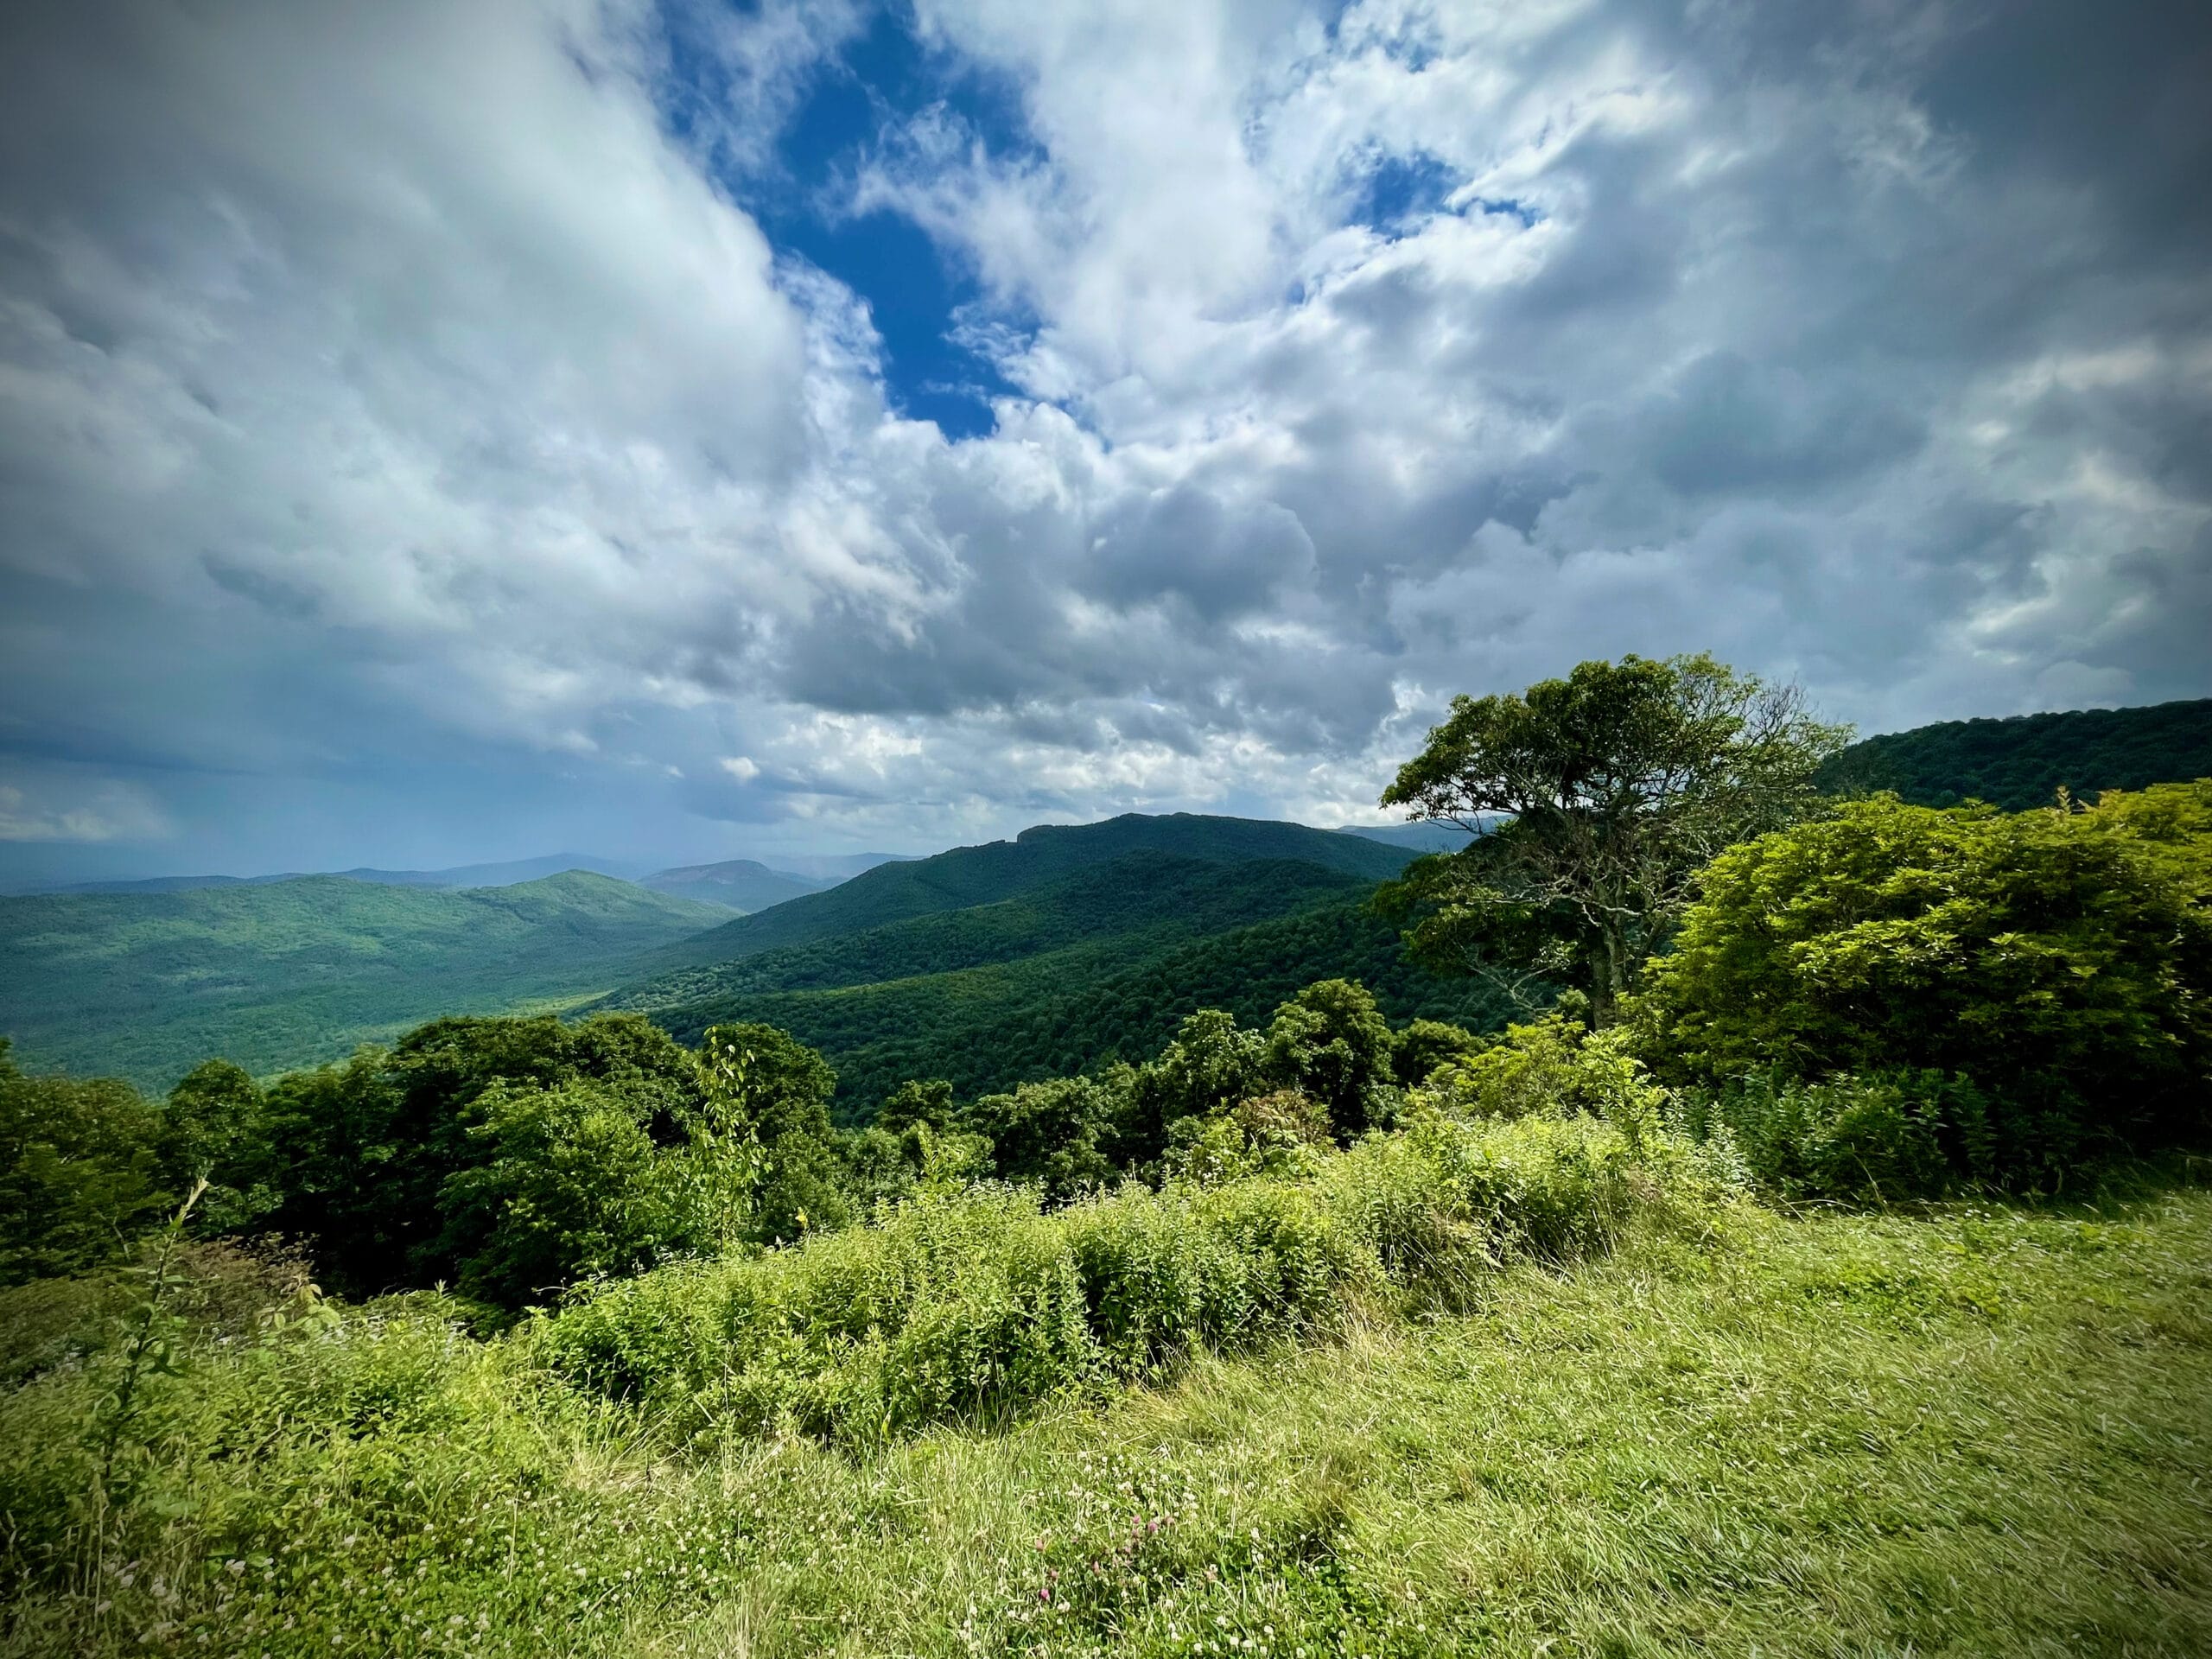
292 972
740 884
1415 837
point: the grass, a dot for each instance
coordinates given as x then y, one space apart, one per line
1984 1431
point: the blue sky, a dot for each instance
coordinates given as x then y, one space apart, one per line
442 432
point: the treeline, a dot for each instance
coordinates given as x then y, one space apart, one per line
510 1157
1072 1011
2025 760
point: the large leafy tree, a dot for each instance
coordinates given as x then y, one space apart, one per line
1595 800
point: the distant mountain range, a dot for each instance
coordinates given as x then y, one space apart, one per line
1426 837
811 872
1064 948
739 884
1001 869
506 874
292 972
1059 951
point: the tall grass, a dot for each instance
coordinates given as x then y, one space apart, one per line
974 1306
1975 1431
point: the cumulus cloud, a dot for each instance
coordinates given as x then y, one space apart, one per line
384 390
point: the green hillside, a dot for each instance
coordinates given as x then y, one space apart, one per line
289 973
1095 967
1002 869
2023 761
739 884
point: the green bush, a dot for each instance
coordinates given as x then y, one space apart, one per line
974 1305
1882 1137
1331 1042
2061 959
82 1168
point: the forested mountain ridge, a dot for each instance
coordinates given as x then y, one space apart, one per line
1136 893
1097 966
2023 760
291 973
967 877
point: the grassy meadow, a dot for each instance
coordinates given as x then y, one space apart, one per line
1979 1429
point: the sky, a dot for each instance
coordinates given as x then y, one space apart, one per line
448 430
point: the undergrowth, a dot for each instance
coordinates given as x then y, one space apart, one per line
1978 1430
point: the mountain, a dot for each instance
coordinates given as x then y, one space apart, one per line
1001 869
146 884
739 884
831 868
2023 761
461 876
291 972
1425 837
1089 966
507 874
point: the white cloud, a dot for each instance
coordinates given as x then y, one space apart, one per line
402 378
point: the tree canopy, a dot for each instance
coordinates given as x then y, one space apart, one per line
2060 958
1597 799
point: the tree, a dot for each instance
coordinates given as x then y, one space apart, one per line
212 1130
2060 958
923 1100
1615 786
81 1172
1052 1133
575 1187
1424 1045
1331 1043
778 1091
361 1152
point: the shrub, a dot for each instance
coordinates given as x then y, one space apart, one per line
1275 1134
575 1186
1055 1134
1424 1045
2061 959
81 1168
1553 1067
974 1305
1884 1136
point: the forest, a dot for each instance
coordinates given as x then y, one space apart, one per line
1726 1202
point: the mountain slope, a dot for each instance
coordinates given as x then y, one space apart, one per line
2023 761
739 884
1097 965
287 973
1002 869
1423 837
512 873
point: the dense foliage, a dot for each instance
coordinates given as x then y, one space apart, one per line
289 973
1617 784
1120 910
2059 959
2023 761
1113 987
